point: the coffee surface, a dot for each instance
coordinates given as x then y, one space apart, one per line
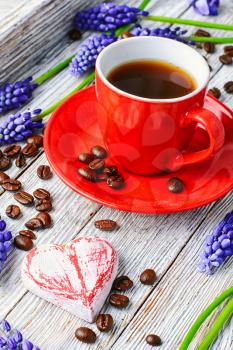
152 79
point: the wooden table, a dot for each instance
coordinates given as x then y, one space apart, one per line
171 244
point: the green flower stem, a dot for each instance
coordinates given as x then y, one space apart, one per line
53 71
188 22
203 316
215 40
86 81
226 313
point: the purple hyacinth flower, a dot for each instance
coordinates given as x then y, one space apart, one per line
6 326
218 245
107 17
5 248
19 126
15 95
176 33
206 7
88 53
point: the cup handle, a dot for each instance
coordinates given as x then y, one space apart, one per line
215 130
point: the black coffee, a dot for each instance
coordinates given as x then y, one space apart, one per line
152 79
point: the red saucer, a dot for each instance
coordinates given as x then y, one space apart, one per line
73 129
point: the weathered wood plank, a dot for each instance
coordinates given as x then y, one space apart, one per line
181 295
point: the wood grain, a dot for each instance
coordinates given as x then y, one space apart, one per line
169 243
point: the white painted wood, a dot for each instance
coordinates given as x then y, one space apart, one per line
171 244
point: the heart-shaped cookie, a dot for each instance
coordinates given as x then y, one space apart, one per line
76 276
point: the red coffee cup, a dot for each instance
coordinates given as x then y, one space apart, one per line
149 136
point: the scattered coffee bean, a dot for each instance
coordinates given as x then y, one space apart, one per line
30 150
11 184
118 300
13 211
20 161
110 170
214 92
85 335
23 242
153 340
97 165
99 152
201 32
209 47
44 205
122 283
36 139
86 157
34 224
75 34
24 198
104 322
41 193
229 50
87 173
148 277
115 182
106 225
44 172
5 163
3 176
12 150
225 59
126 35
228 87
27 233
175 185
45 218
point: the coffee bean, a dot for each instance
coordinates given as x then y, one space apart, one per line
106 225
20 161
34 224
44 205
36 139
104 322
122 283
229 50
201 32
13 211
175 185
118 300
24 198
27 233
148 277
153 340
3 176
41 193
97 165
85 335
209 47
225 59
126 35
87 173
228 87
86 158
5 163
75 34
99 152
110 170
11 184
44 172
214 92
101 177
45 218
23 242
30 150
115 182
12 150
